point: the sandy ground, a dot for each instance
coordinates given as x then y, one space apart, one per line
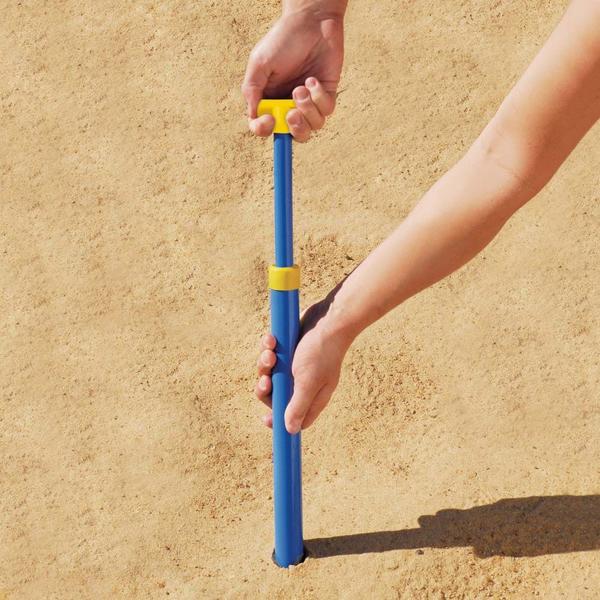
459 457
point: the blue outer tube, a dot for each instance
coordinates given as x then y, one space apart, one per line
285 325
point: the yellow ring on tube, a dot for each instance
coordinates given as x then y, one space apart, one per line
284 278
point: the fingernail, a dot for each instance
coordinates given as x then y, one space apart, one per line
302 93
262 384
311 82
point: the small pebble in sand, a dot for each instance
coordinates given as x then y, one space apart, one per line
391 565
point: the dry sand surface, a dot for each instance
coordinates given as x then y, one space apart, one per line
459 457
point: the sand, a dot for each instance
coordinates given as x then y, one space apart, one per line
459 457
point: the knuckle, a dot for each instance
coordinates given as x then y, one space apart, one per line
301 136
326 111
297 370
327 105
302 374
254 54
304 103
258 58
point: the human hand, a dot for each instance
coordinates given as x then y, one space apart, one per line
301 55
315 367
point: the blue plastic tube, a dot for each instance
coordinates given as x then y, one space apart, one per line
285 325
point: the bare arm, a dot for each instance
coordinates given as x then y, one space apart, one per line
542 119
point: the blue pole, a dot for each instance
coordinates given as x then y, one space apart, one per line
284 231
285 325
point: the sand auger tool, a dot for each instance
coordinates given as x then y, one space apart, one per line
284 281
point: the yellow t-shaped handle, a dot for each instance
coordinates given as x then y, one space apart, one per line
279 109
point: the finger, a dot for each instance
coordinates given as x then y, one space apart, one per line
308 108
255 79
302 398
323 100
267 342
252 94
266 361
262 126
298 125
263 389
316 408
268 420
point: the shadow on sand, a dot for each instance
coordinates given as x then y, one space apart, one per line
512 527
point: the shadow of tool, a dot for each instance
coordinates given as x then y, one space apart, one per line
532 526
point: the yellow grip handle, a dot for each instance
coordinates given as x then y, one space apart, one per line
279 109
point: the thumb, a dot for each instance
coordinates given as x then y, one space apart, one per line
300 403
255 80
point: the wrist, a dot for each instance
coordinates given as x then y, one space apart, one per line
339 323
320 9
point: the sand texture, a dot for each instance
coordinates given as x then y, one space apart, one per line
459 457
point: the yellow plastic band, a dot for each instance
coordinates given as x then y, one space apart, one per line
279 109
284 278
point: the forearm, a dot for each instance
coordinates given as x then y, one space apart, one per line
543 118
452 223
